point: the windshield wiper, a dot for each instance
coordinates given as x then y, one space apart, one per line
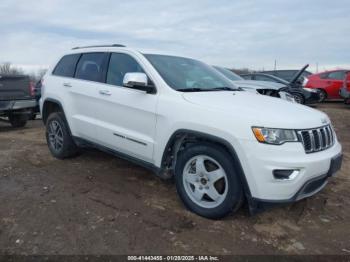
192 89
225 88
198 89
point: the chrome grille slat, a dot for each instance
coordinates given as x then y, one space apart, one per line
312 137
320 138
316 139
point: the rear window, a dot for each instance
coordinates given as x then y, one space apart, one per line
247 77
66 66
338 75
92 67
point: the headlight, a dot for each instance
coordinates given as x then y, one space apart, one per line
310 90
305 81
274 136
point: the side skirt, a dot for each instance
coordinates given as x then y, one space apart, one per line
87 144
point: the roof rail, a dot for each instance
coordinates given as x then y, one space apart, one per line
92 46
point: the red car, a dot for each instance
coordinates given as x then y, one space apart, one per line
329 83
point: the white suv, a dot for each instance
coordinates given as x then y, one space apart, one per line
181 118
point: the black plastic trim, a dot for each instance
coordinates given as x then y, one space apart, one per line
86 143
44 117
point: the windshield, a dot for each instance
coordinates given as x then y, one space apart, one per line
229 74
185 74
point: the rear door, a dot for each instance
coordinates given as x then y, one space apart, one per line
126 117
333 83
14 87
89 74
347 81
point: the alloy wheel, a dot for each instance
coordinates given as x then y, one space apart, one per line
55 135
205 181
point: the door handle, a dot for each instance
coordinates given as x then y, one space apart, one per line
105 92
67 85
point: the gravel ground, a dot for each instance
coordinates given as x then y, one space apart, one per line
99 204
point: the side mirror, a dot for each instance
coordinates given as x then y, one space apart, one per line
138 81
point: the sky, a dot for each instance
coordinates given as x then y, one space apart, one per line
233 34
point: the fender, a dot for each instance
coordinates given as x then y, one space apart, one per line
215 139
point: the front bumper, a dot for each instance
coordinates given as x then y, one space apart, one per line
310 188
261 160
312 97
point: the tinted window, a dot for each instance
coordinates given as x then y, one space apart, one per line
247 77
92 66
338 75
119 65
66 66
264 78
228 73
286 74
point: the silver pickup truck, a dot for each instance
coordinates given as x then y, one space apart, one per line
17 99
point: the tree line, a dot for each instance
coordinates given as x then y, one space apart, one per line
9 69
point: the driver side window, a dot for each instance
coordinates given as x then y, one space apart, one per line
119 65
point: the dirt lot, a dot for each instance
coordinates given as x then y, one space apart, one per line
99 204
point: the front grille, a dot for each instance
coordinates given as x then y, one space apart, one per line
317 139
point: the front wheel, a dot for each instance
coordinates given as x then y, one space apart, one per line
207 182
322 95
299 98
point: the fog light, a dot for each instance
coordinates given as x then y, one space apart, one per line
285 174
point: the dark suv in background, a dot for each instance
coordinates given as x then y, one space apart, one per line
288 75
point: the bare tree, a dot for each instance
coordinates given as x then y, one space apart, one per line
8 69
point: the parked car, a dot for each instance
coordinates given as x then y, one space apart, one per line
16 99
261 87
329 83
301 94
345 90
288 75
181 118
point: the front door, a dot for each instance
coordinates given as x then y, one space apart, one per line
126 117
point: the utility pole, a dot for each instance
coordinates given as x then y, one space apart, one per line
316 67
275 67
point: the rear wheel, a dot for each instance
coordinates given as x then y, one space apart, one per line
207 182
322 95
299 98
17 120
58 138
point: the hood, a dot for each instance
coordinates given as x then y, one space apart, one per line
258 110
253 84
297 75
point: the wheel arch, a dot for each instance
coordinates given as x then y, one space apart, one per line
181 137
49 106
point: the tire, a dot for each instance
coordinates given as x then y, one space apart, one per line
228 190
59 140
299 98
323 95
347 101
17 120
